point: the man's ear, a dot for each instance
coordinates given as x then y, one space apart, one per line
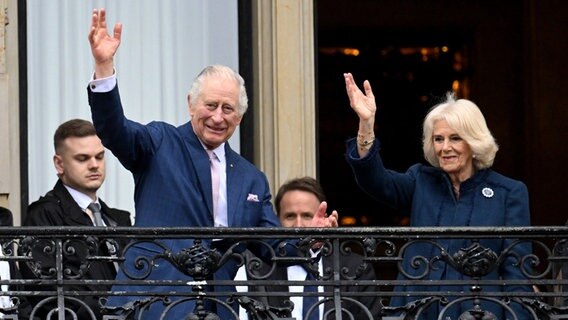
189 105
58 163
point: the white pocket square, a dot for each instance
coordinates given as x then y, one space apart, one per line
252 197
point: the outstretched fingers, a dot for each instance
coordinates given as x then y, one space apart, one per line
368 89
350 86
117 31
97 23
94 26
333 219
320 214
322 220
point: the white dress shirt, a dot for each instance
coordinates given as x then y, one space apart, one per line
295 273
4 275
83 201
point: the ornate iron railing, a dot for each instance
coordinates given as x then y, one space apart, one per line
442 281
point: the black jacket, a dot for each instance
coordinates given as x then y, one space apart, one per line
58 208
350 263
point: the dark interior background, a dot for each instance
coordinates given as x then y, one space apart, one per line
507 56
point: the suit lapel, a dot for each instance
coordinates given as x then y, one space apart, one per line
202 168
73 213
109 216
201 163
234 182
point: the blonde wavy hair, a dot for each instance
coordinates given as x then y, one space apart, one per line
467 120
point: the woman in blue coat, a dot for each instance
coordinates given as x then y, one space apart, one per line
458 189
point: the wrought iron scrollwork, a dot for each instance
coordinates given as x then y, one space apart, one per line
474 261
62 259
77 255
257 310
198 261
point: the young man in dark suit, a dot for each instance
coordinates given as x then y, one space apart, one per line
80 164
296 203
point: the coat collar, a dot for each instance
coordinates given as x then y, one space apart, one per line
74 213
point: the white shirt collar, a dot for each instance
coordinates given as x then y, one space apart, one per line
82 199
219 151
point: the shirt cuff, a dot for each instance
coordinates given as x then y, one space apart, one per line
102 84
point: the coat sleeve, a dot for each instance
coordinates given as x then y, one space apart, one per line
390 187
44 212
131 142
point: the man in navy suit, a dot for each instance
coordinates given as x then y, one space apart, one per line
172 170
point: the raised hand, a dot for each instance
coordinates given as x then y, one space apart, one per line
321 220
362 103
103 46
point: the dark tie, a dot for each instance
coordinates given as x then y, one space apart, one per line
311 300
96 210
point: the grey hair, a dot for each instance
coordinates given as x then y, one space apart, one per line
225 72
467 120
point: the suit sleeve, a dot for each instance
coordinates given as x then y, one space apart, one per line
131 142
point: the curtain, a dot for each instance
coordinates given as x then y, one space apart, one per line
165 43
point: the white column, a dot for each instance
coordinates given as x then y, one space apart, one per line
283 35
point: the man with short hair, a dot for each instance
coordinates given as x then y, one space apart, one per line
80 164
184 176
296 202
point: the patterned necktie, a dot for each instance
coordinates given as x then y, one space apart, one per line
96 210
311 300
215 180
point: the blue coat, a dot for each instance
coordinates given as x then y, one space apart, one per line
173 188
426 194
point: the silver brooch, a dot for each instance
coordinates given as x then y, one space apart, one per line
487 192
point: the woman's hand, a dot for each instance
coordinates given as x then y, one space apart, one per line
362 103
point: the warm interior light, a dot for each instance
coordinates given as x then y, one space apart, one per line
455 85
351 51
348 221
340 50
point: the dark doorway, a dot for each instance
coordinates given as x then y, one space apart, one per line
412 52
409 72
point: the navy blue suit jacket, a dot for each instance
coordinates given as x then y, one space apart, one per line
173 183
486 199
